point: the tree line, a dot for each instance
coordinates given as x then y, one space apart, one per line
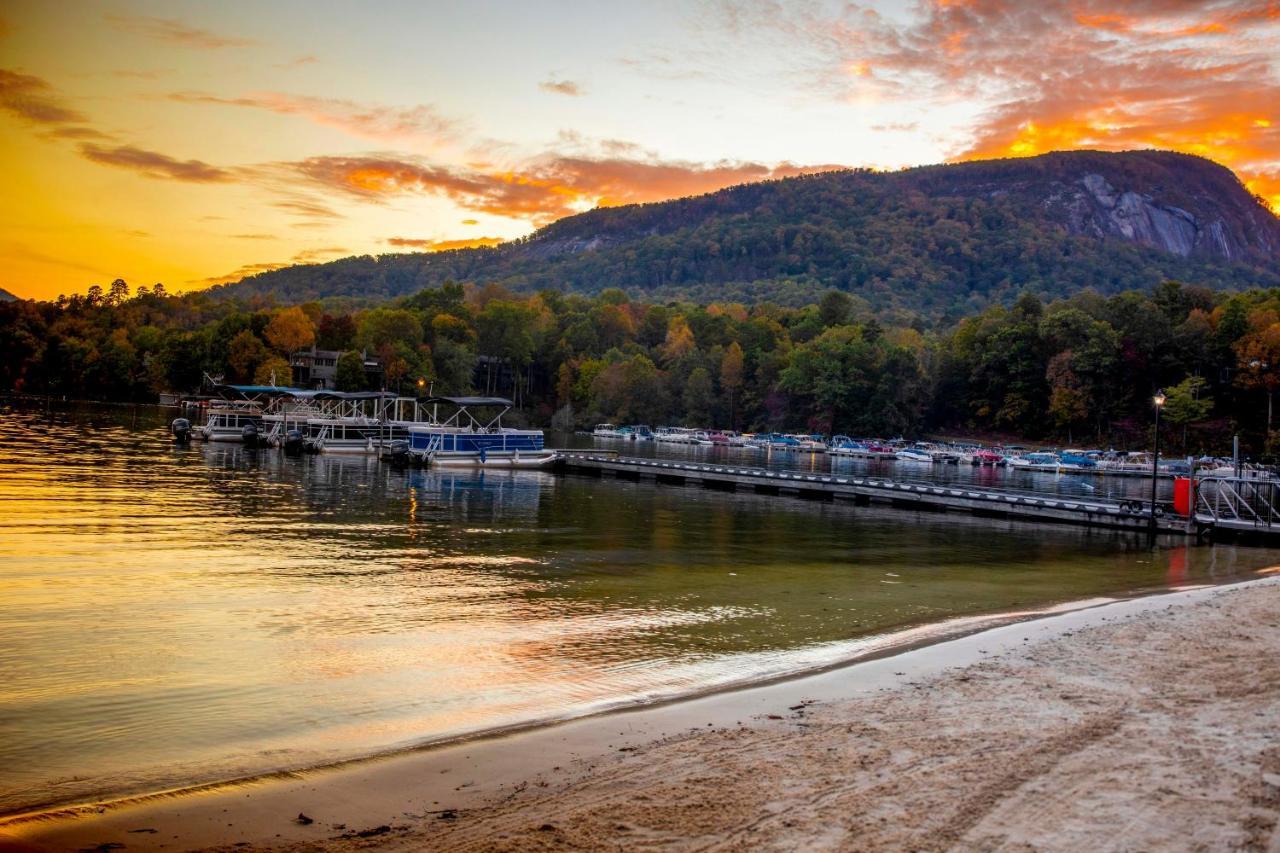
1079 370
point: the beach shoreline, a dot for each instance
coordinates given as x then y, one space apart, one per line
478 791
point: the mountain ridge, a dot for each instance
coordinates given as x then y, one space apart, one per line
929 239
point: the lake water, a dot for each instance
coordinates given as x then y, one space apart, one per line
177 615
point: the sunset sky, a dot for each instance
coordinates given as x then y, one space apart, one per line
194 143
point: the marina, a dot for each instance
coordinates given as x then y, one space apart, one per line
1208 497
1123 515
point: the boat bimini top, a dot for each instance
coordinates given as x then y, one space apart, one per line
463 418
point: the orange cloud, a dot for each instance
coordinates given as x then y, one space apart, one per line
238 274
176 32
366 121
311 256
540 191
298 61
307 208
561 87
443 245
152 164
1075 73
33 99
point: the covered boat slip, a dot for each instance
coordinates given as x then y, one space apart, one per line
439 430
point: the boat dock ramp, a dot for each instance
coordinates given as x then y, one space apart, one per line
1244 516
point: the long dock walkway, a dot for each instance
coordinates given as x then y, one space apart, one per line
866 490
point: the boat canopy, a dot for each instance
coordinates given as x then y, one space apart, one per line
250 391
471 401
246 391
464 417
351 395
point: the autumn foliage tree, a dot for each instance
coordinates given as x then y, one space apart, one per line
290 330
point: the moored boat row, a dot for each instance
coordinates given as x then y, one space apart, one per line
403 429
1068 461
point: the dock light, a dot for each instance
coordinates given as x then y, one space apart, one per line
1158 399
422 383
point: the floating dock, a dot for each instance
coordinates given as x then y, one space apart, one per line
866 490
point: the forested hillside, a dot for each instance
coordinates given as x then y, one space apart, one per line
940 240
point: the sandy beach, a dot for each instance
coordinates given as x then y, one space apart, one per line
1145 723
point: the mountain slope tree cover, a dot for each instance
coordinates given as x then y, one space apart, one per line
941 241
1080 369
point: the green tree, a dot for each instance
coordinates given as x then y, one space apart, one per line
698 397
244 353
350 372
1183 404
382 326
835 308
273 370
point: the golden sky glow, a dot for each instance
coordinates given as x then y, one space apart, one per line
194 143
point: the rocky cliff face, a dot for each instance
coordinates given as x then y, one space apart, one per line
1102 210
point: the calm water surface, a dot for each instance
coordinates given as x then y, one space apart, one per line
169 616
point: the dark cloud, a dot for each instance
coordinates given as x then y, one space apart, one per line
153 164
33 99
174 31
75 132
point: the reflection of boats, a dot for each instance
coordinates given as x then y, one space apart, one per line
462 439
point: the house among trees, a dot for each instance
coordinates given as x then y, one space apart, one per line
320 369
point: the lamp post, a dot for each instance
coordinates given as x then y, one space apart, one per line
1258 366
1158 399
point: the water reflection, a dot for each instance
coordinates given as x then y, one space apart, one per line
172 615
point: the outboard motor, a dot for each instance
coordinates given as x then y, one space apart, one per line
293 441
249 435
181 429
397 452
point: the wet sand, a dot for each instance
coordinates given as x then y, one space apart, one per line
1146 723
